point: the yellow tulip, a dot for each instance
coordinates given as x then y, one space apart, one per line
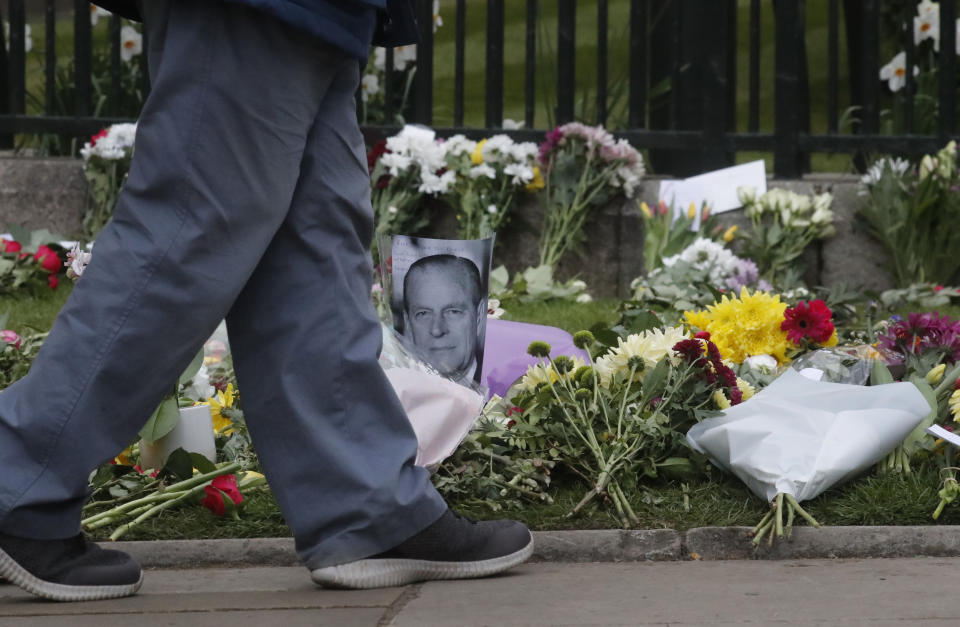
936 374
692 211
477 156
646 210
728 234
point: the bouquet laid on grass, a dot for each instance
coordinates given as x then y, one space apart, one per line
783 224
125 496
17 352
106 164
536 285
29 261
585 167
697 276
490 176
913 213
405 169
757 324
622 416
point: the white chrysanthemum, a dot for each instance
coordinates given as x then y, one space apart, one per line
482 170
395 162
651 346
458 145
433 184
707 255
521 173
546 374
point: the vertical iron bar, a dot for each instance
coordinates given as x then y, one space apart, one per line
870 48
50 57
459 64
676 47
530 86
753 107
948 79
638 63
789 39
17 58
115 87
494 86
82 94
422 106
566 59
6 140
389 86
833 62
602 26
909 88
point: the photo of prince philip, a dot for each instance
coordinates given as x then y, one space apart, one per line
444 314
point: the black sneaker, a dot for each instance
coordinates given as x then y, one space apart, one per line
68 570
454 547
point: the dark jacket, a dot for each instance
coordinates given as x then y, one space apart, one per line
348 24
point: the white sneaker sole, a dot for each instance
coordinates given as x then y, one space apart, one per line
19 576
388 573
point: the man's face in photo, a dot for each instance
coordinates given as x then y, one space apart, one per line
441 318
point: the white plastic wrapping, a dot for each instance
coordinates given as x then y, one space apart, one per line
800 437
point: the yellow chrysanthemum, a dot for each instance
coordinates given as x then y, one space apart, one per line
745 325
223 400
546 374
720 400
745 388
954 403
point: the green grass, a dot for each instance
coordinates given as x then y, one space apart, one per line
571 317
34 311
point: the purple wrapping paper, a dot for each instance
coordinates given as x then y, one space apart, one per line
505 357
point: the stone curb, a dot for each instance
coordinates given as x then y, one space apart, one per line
705 543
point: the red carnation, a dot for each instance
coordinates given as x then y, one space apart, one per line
49 260
808 320
702 335
379 149
95 138
224 484
10 246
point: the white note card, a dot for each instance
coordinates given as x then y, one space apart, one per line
718 188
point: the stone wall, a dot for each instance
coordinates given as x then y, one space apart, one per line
50 193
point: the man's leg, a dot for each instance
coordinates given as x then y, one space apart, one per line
218 152
334 441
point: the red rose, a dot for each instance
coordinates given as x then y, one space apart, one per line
48 259
95 138
53 281
224 484
937 288
10 246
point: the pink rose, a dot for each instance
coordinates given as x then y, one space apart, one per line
10 337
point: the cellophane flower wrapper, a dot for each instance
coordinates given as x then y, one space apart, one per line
800 437
840 364
441 411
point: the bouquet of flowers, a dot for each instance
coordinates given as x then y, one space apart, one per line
783 224
667 234
758 324
623 415
34 264
17 353
585 168
106 164
405 169
913 213
489 176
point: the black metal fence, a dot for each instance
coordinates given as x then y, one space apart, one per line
681 95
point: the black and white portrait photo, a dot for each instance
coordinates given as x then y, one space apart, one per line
439 301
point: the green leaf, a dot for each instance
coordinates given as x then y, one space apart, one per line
179 464
201 463
880 374
163 420
912 441
655 378
192 369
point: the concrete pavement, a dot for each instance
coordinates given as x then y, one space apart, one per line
897 592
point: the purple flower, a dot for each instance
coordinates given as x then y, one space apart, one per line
554 137
923 332
745 274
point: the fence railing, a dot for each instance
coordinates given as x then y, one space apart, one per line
678 92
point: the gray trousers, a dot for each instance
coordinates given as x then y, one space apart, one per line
248 198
